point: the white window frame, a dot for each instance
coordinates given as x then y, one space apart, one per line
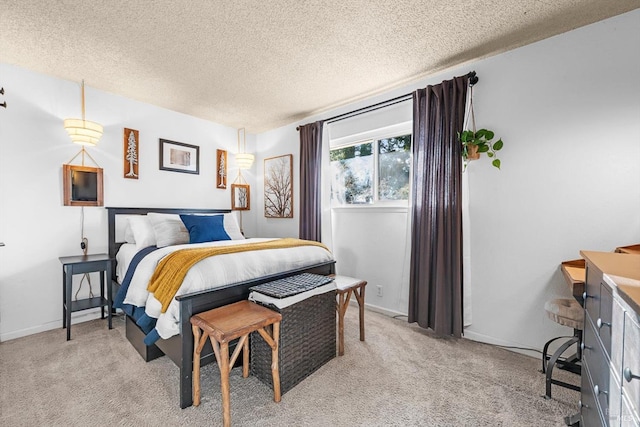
405 128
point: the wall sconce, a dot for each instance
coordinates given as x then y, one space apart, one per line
83 131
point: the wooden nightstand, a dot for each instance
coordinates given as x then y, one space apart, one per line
79 265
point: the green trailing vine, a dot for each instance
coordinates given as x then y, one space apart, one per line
478 142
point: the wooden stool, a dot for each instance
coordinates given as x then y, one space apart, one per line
345 287
225 324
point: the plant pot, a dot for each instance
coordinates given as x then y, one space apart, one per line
472 152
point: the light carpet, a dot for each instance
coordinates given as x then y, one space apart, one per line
400 376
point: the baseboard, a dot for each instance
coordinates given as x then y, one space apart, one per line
474 336
470 335
381 310
78 317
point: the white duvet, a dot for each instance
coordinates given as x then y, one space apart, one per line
214 272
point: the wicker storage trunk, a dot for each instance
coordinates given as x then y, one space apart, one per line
307 341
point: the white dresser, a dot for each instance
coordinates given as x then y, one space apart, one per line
610 390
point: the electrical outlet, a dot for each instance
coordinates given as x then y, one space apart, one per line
379 290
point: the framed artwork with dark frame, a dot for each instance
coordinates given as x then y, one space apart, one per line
278 187
221 169
240 197
179 157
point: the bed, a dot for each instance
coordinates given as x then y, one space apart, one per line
179 347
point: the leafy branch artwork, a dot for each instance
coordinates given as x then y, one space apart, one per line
278 187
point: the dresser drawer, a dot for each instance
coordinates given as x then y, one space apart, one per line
631 359
603 321
592 291
617 338
629 417
590 414
594 357
593 353
615 401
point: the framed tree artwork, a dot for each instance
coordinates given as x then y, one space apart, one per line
131 153
278 187
221 169
240 197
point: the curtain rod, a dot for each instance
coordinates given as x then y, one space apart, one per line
473 79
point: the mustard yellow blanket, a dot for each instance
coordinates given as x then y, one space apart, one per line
170 272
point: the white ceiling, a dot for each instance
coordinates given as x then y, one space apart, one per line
261 64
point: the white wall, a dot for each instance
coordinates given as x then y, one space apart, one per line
34 224
568 109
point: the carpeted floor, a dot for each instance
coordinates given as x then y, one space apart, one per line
401 376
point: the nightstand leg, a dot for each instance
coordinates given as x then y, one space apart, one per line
67 287
102 294
64 298
109 292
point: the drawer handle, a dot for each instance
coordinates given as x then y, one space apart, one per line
600 323
597 390
585 296
628 375
584 347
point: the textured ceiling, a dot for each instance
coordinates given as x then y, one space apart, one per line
260 64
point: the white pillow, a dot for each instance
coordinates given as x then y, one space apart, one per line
142 231
128 234
230 224
169 229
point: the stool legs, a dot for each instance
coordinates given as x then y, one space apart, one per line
197 349
552 363
273 342
341 307
343 303
275 363
225 363
359 293
224 383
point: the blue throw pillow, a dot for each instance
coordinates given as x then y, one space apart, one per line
204 228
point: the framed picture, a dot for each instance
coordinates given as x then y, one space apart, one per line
131 153
82 186
221 169
240 197
179 157
278 187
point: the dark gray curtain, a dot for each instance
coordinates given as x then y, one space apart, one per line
310 180
435 288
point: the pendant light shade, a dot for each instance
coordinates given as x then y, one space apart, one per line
81 131
243 160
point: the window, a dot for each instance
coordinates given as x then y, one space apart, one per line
372 171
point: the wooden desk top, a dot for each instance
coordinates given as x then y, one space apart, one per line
574 273
632 249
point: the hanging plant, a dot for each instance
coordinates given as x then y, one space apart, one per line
475 142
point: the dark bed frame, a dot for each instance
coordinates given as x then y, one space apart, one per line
179 348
